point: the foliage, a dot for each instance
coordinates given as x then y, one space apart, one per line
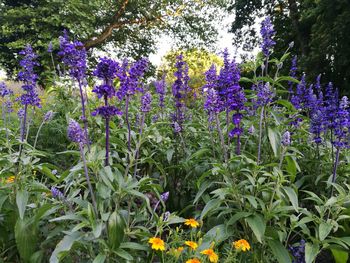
316 27
163 194
129 26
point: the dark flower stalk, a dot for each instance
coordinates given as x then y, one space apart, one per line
6 105
146 101
106 70
27 75
77 135
74 57
129 78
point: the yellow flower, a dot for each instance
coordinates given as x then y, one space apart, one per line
180 249
213 257
241 244
10 180
191 244
157 243
193 260
192 223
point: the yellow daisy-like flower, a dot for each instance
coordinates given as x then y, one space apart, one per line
10 180
157 243
213 257
191 244
192 223
180 249
241 245
193 260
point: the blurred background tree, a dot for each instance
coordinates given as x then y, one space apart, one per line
318 28
128 27
198 60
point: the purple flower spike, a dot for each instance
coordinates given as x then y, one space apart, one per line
146 101
107 69
4 91
160 89
56 193
48 116
107 111
164 196
267 32
75 133
286 139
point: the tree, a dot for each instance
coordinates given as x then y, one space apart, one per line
130 26
198 60
318 28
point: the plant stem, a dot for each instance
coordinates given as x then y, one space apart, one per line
107 134
37 134
84 114
260 133
139 142
24 123
128 124
221 137
88 178
282 158
336 162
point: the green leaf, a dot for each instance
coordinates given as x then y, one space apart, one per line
64 245
340 256
211 205
123 254
311 251
22 200
203 188
274 140
100 258
324 230
293 197
257 225
237 217
169 154
26 235
133 246
279 251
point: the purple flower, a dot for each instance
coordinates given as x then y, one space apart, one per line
251 130
160 89
75 133
8 106
146 101
293 73
267 32
104 90
107 69
286 139
342 124
20 113
179 92
73 56
129 77
28 76
50 47
330 107
264 94
106 111
56 193
298 252
4 91
164 196
48 116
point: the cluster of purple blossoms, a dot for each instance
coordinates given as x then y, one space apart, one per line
106 70
342 124
267 32
129 77
286 141
106 111
212 103
298 252
73 56
48 116
293 72
264 94
75 133
57 193
161 90
179 90
146 101
4 91
28 76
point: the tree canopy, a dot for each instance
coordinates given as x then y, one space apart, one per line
129 26
317 28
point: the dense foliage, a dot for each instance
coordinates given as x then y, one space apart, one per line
131 27
113 167
316 27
